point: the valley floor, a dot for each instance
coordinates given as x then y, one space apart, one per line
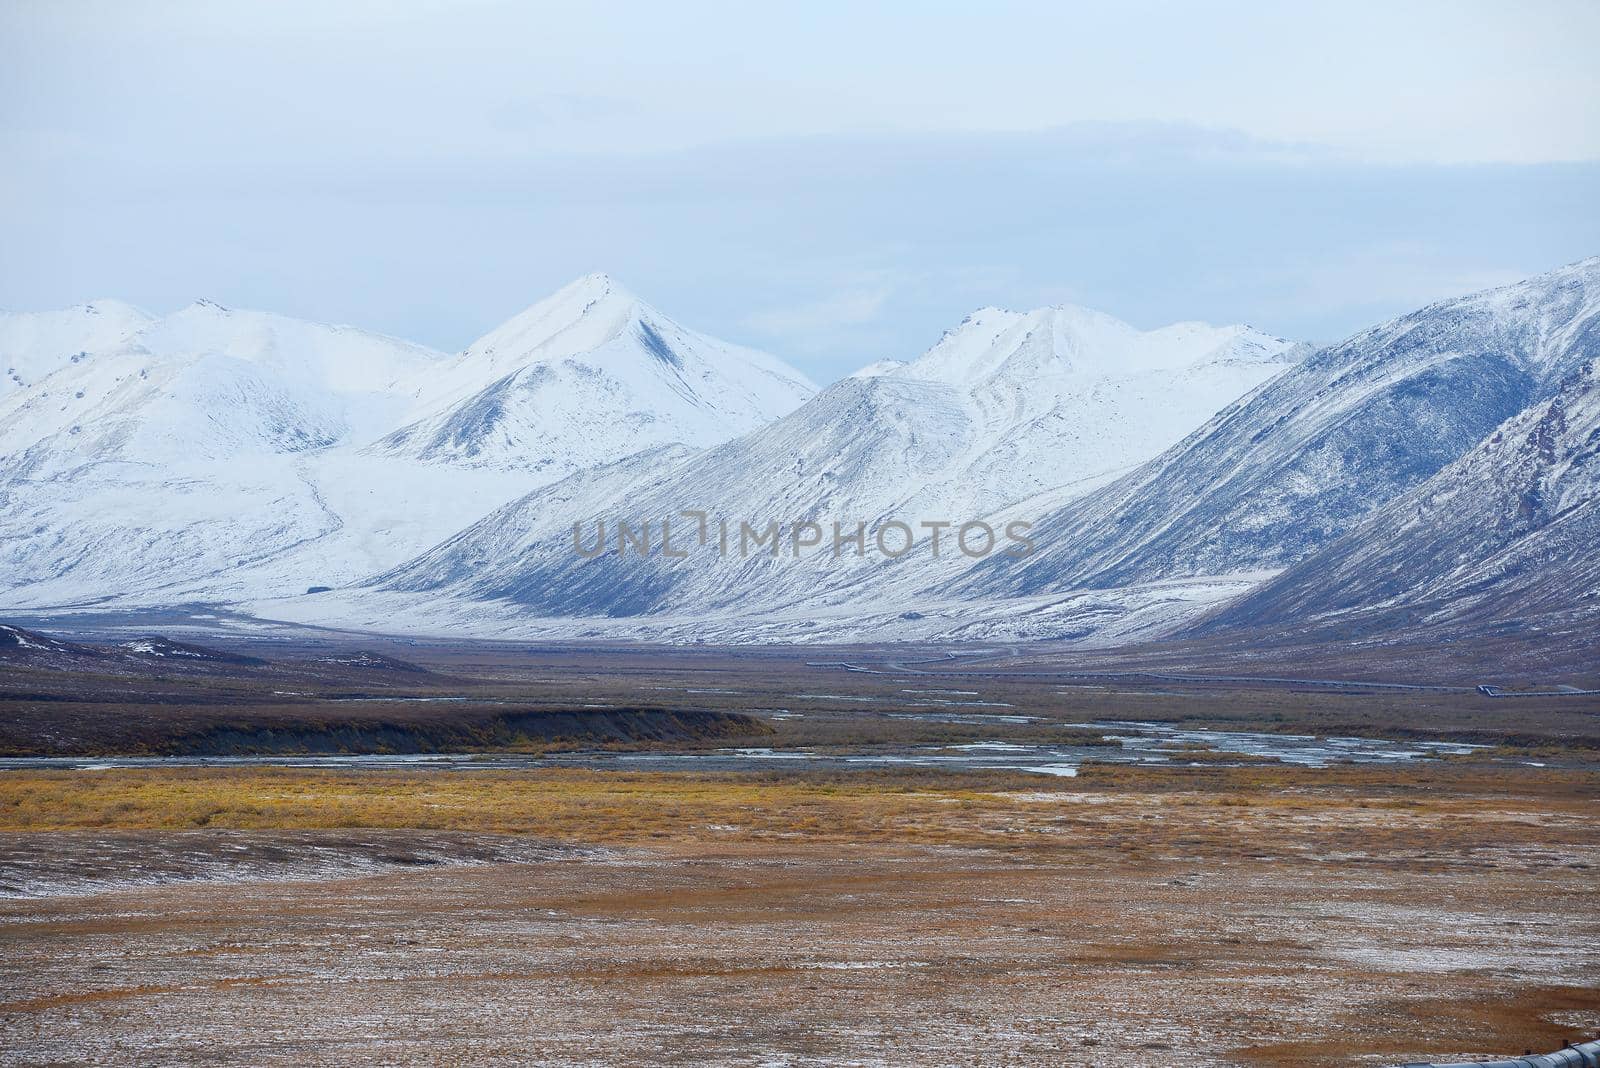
1262 915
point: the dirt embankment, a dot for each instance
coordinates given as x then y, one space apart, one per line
365 730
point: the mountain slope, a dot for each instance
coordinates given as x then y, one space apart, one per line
35 344
1006 408
1507 538
1283 472
588 376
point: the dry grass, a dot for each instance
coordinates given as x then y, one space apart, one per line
1227 811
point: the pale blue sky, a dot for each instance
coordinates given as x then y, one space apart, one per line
838 183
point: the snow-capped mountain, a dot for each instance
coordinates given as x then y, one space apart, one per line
35 344
1280 474
186 449
1505 539
208 383
588 376
1433 475
217 454
1061 399
1004 411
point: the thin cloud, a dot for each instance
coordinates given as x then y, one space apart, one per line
841 309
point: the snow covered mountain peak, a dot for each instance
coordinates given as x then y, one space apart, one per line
591 287
1068 340
335 359
106 309
34 345
586 376
206 382
579 317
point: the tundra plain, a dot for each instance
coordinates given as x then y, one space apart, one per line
1207 905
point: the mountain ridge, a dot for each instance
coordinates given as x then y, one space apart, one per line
1276 476
215 453
1003 408
1188 473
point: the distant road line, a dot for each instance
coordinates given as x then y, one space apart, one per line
892 667
1495 691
